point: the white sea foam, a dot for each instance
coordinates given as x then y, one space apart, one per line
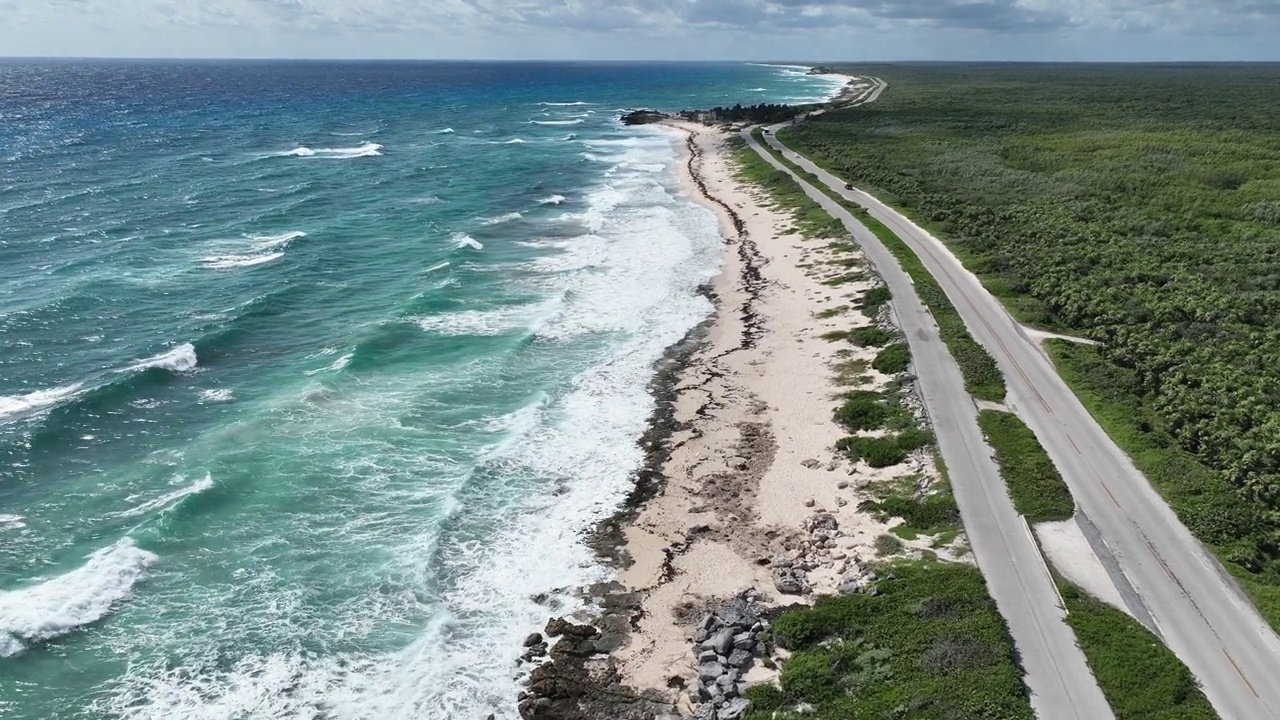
216 395
499 219
13 522
227 262
565 104
63 603
512 141
461 240
570 456
578 121
551 200
444 131
439 266
15 405
270 241
170 499
757 89
368 149
181 358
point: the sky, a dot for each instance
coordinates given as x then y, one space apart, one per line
796 30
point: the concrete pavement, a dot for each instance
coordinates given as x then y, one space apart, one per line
1062 688
1195 606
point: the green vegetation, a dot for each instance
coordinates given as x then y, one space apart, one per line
930 645
874 299
982 377
1142 679
893 359
1037 489
885 451
1136 205
870 336
888 545
831 312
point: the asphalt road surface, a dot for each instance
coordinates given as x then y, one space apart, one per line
1195 606
1056 672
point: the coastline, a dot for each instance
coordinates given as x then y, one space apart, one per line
744 493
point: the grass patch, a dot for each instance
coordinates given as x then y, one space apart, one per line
874 299
893 359
831 312
870 336
845 278
1141 678
886 451
930 645
1037 489
887 545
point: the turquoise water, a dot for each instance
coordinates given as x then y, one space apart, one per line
311 375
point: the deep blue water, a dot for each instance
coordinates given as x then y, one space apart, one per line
312 374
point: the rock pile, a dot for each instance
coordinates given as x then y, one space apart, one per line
725 644
819 549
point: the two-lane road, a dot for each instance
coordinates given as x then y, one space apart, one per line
1197 608
1061 685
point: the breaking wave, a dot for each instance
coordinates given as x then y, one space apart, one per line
170 499
64 603
366 150
461 240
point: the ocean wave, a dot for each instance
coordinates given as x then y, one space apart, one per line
368 149
757 89
444 131
179 359
14 522
463 240
499 219
64 603
216 395
551 200
334 366
170 499
270 241
14 405
512 141
439 266
578 121
227 262
565 104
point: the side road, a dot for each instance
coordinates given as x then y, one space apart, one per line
1196 607
1056 672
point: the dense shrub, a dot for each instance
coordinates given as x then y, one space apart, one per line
893 359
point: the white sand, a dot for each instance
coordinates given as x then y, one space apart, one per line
758 438
1070 554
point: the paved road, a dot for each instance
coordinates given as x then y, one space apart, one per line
1056 672
1197 609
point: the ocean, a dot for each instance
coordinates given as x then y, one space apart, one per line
312 375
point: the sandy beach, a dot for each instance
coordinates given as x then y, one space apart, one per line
754 457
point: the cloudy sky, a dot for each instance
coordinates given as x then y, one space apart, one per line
648 29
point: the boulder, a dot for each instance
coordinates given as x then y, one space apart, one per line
533 639
790 581
739 658
708 672
721 642
735 709
743 641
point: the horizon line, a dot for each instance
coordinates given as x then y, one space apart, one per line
581 61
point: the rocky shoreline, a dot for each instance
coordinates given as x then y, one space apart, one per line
744 507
